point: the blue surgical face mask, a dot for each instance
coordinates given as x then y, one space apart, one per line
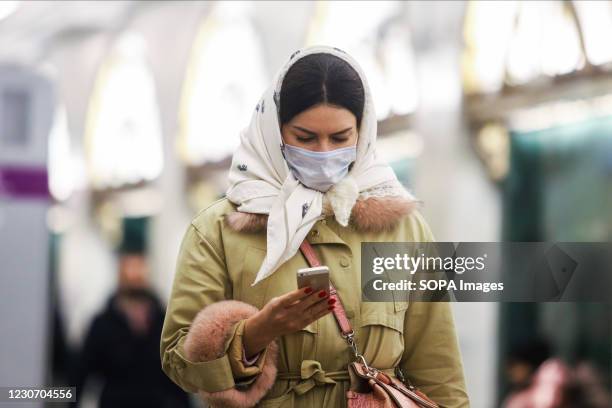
319 170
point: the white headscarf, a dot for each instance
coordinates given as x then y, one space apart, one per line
261 182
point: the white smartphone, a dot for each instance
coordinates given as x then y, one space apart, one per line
317 278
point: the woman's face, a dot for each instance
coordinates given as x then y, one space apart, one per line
321 128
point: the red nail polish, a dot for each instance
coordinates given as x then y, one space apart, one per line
331 307
308 289
331 301
322 293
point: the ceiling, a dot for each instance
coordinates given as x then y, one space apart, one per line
27 34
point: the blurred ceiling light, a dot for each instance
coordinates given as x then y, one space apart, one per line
512 43
221 88
545 42
401 85
382 46
131 46
487 31
123 132
66 167
440 87
596 23
8 7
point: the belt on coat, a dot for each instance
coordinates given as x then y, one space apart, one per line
311 375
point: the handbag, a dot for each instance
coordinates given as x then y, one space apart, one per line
369 386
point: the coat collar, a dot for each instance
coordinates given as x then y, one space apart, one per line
372 214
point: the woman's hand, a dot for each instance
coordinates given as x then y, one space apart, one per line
284 315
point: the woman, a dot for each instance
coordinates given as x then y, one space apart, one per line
238 330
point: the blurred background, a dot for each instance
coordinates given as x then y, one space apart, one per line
117 125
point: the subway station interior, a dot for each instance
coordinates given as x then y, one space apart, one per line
118 120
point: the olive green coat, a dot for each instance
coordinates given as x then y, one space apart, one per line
219 257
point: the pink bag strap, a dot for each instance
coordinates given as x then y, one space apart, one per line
339 312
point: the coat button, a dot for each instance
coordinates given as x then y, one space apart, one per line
344 262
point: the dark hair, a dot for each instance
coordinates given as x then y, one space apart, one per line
321 78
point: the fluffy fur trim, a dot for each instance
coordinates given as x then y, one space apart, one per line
205 341
246 222
372 214
379 214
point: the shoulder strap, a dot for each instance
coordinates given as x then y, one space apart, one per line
339 312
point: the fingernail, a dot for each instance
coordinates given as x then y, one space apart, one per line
308 289
331 307
331 301
322 293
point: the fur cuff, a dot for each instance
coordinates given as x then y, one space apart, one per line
206 340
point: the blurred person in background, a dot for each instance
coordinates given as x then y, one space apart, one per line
556 384
122 344
524 360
